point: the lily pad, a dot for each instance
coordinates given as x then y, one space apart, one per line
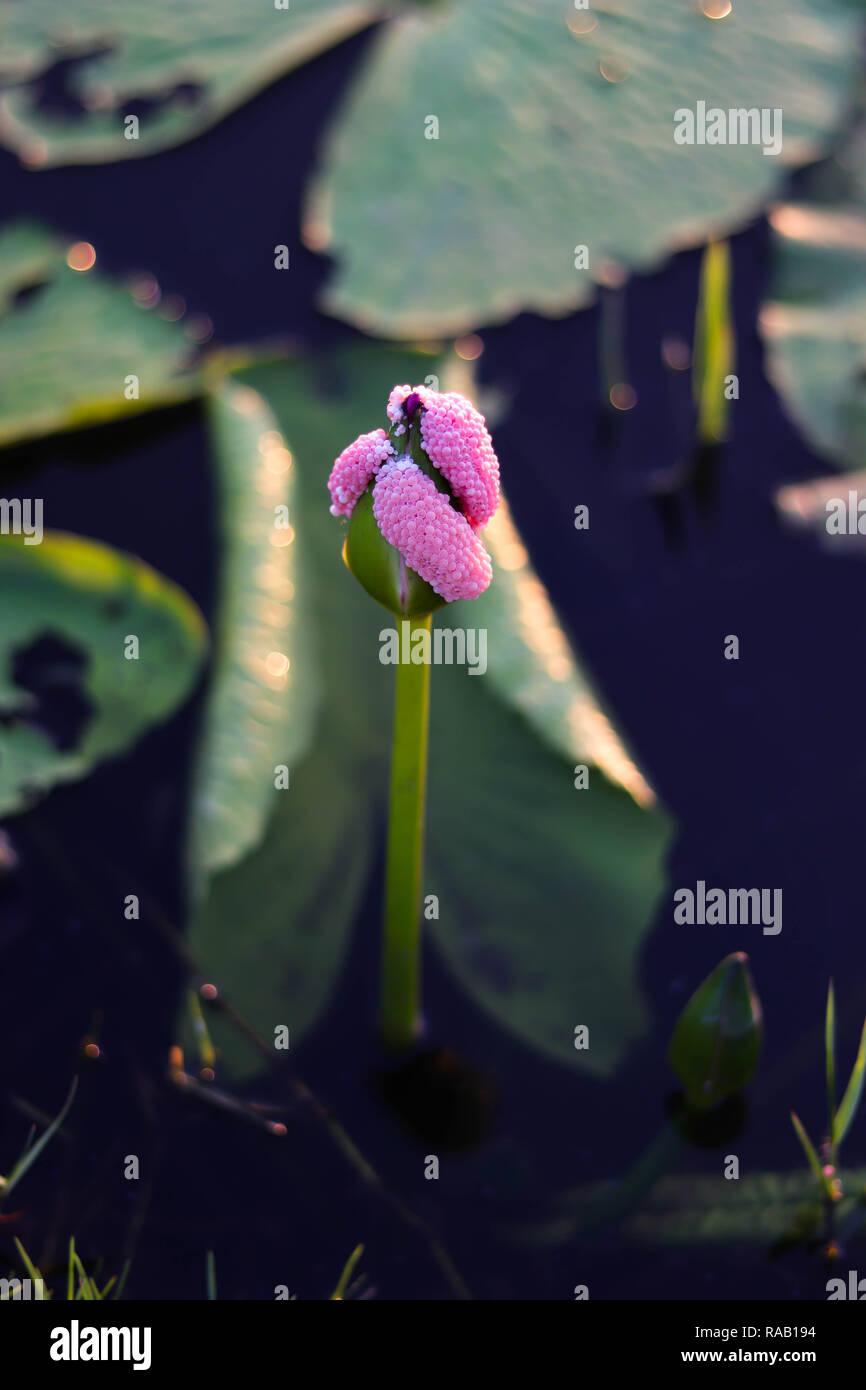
76 603
191 65
814 323
262 687
77 350
487 141
273 929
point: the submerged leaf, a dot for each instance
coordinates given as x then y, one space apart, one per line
760 1208
717 1039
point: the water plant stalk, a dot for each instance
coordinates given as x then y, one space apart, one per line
401 956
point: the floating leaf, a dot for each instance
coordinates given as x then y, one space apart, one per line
595 854
545 891
487 141
814 322
75 603
259 711
67 352
190 65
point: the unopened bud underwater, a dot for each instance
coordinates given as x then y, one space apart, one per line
717 1040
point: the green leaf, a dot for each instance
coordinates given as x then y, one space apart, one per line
259 710
589 860
830 1055
228 51
814 321
33 1272
853 1091
67 352
90 598
556 132
545 891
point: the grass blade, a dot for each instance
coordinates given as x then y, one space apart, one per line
31 1154
830 1052
809 1150
121 1283
853 1091
210 1276
33 1272
343 1284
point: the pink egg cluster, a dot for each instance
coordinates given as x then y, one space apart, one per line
433 538
357 464
456 441
435 533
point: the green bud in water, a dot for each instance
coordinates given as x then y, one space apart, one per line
717 1040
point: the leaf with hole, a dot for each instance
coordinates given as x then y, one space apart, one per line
69 696
180 67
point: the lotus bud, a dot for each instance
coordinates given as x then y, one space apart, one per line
416 497
717 1040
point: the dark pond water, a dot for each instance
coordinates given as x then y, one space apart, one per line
759 761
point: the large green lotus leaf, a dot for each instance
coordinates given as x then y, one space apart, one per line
545 891
814 323
556 130
258 714
229 51
67 349
508 831
29 254
88 599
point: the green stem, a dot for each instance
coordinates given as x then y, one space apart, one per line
401 964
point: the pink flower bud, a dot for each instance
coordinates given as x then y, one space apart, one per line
433 481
